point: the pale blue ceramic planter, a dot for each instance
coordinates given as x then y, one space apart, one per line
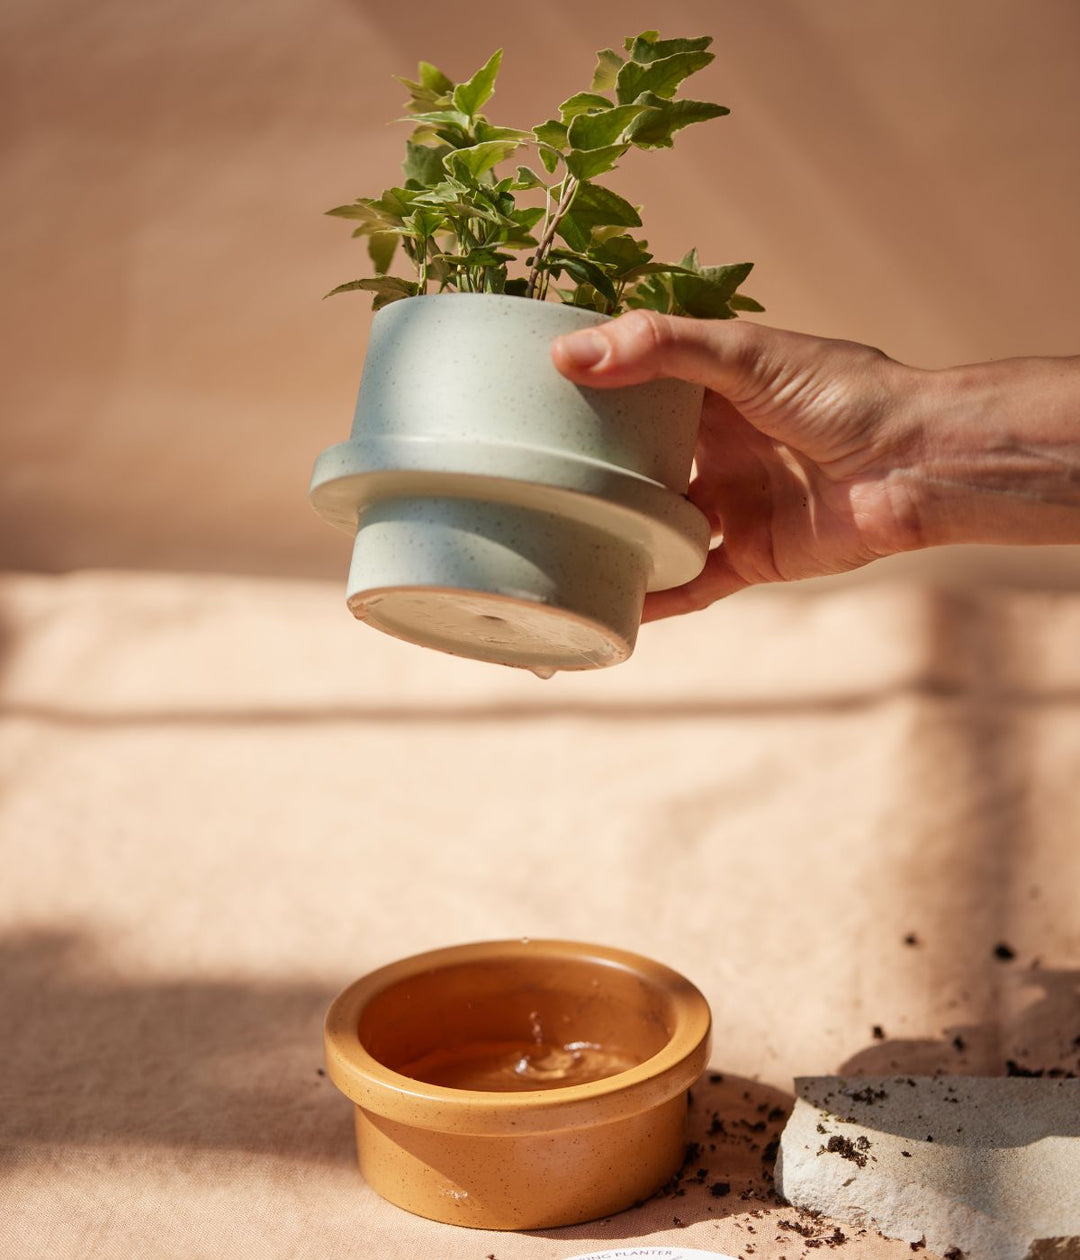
501 512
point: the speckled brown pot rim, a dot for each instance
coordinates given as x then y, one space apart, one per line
379 1089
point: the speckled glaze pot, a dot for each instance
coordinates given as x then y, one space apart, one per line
501 512
513 1158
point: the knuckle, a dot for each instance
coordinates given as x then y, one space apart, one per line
746 347
646 332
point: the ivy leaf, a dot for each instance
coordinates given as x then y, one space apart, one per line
707 294
432 89
727 278
594 206
441 118
362 209
424 162
485 131
376 215
648 47
582 103
655 269
481 256
662 77
455 200
549 157
528 216
742 302
586 163
526 179
594 131
430 79
655 126
552 133
469 164
583 270
395 204
381 247
422 224
645 36
621 254
652 294
608 65
586 297
386 289
468 97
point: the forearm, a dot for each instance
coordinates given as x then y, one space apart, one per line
995 454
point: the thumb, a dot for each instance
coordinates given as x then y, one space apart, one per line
644 345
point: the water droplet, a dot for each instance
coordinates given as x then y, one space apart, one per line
543 672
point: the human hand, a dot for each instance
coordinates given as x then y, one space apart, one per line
801 452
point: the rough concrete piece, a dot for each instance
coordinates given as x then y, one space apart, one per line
987 1168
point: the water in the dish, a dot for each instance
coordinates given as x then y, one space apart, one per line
518 1065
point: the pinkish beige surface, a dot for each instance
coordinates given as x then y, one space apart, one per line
222 800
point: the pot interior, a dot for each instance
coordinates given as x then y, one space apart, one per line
517 1023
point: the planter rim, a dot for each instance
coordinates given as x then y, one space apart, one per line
350 476
582 314
381 1090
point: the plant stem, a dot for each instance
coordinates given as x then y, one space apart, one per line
566 196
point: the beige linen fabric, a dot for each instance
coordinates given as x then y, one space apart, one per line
222 800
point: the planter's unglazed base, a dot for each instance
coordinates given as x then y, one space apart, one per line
497 582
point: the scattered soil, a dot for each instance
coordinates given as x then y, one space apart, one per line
846 1148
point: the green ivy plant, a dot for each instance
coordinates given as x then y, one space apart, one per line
462 226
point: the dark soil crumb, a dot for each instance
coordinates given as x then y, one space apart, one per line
911 939
918 1246
1003 952
678 1222
720 1189
716 1127
1012 1068
777 1114
847 1149
320 1071
716 1078
868 1095
812 1233
878 1032
754 1126
954 1253
906 1154
959 1043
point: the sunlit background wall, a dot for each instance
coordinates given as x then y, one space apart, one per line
902 174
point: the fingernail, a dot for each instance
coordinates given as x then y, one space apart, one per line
584 349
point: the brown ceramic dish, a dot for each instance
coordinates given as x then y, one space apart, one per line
576 1058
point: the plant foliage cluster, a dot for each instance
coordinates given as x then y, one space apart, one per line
462 225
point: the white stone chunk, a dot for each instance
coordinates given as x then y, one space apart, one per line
987 1168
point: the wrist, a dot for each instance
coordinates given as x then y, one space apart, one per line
993 454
